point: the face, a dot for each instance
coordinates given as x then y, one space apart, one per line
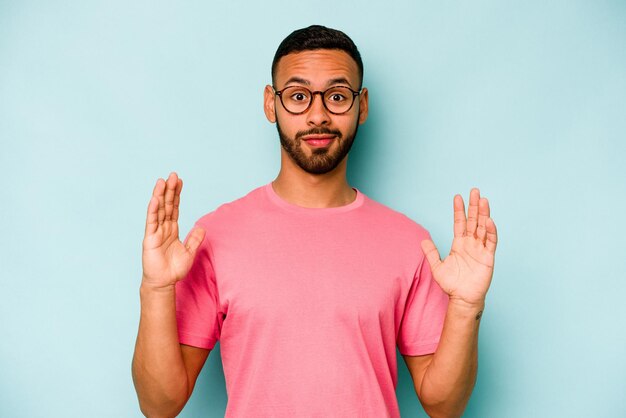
316 141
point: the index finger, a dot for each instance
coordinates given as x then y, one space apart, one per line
170 189
472 212
179 187
459 216
152 217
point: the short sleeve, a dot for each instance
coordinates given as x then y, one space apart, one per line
197 302
424 314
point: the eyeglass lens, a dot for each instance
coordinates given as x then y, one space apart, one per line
297 99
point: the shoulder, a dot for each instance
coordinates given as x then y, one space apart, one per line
393 220
234 210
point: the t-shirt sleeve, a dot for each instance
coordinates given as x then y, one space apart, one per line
198 315
424 313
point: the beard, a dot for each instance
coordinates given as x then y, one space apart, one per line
322 160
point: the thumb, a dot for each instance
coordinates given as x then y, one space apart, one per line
431 253
194 239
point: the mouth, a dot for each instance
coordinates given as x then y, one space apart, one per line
322 140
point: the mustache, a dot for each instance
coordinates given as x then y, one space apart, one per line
318 131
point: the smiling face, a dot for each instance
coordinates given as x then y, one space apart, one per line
317 141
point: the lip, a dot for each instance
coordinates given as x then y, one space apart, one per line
318 140
318 137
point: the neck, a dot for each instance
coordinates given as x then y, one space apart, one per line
300 188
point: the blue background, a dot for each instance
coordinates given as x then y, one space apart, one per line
525 100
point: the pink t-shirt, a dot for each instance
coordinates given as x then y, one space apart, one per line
309 305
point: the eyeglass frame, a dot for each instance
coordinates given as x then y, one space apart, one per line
313 93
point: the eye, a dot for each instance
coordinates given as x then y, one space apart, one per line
299 96
336 97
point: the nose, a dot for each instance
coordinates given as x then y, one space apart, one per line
318 115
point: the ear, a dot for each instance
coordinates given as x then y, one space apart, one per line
269 102
363 106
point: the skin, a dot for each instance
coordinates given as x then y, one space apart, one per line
444 380
164 371
316 70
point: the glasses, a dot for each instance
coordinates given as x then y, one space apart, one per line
297 99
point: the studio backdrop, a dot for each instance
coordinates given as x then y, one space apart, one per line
525 100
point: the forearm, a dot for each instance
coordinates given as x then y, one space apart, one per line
158 369
449 379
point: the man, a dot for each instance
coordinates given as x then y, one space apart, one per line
308 284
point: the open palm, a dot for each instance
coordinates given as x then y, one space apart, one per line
465 274
165 258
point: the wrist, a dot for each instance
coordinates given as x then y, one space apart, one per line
147 287
470 309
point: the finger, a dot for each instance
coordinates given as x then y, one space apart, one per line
194 239
179 187
431 253
472 213
152 221
158 192
172 183
483 215
492 235
460 223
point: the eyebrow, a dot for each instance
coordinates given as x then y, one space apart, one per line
300 80
339 80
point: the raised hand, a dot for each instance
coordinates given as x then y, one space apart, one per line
165 258
465 274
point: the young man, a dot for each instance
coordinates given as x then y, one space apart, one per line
308 284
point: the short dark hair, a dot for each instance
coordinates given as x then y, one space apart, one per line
317 37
